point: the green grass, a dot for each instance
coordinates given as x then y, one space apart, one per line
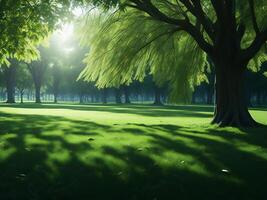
128 152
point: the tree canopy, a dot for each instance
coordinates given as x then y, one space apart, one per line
172 40
169 39
24 25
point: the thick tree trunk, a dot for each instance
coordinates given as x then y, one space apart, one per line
10 83
248 99
231 107
37 93
127 95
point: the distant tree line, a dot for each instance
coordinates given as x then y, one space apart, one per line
36 82
41 82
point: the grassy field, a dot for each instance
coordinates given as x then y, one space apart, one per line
128 152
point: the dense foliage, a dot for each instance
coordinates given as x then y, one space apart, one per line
129 44
172 39
117 58
24 25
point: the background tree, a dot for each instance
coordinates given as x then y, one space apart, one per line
10 73
24 25
38 70
2 84
104 95
56 59
126 90
118 94
229 31
256 86
56 74
24 80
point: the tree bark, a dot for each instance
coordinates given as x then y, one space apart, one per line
21 96
230 101
37 93
11 83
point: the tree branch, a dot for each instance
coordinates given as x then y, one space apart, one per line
255 46
149 8
218 5
196 9
253 16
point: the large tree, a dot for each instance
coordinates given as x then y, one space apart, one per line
24 25
232 33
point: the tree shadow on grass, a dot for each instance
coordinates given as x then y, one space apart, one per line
44 157
137 109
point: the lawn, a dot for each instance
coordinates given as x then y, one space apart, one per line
128 152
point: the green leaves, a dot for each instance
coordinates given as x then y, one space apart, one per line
25 24
128 46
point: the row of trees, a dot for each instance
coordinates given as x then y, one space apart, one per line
171 40
59 84
55 74
57 81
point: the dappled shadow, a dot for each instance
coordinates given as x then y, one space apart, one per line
137 109
48 157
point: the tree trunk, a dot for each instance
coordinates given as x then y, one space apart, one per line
21 96
10 83
127 95
104 96
92 98
37 93
55 97
231 107
157 92
81 98
193 101
118 96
